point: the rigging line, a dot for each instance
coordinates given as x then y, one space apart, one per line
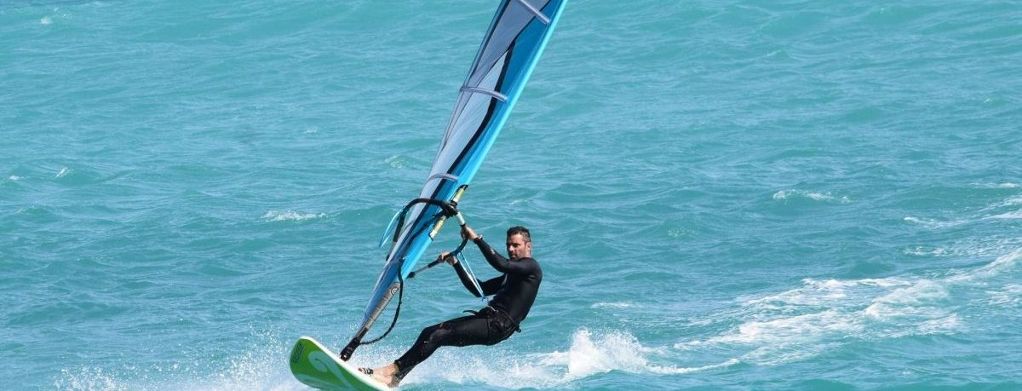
472 276
401 287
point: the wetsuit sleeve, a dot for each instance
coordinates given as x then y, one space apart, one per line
502 264
490 286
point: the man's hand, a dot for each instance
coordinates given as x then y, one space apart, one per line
447 257
468 233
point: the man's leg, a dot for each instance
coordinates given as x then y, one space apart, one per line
463 331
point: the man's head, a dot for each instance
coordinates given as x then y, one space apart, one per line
519 242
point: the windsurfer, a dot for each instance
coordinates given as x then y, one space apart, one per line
514 292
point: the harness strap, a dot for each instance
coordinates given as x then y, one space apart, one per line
505 315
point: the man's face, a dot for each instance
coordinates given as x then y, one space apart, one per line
517 247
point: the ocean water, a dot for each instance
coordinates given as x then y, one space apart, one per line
724 195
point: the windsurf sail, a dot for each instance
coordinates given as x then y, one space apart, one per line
510 49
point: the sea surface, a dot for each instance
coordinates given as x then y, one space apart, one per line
724 195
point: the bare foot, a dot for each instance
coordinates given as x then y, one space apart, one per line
385 375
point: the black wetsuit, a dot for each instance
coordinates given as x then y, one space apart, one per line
514 292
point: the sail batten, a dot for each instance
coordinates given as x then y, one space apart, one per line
495 94
534 11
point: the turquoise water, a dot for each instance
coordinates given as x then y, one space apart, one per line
724 195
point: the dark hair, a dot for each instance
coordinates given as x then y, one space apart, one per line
520 230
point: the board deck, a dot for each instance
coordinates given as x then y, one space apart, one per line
318 367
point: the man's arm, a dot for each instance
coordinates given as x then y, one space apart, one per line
502 264
489 286
496 260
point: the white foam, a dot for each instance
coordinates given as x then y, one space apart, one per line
999 185
1000 265
396 161
815 196
1009 202
88 379
260 366
984 247
1017 200
677 232
45 21
1009 215
824 314
782 195
922 251
614 305
933 223
820 293
914 301
780 354
615 351
257 368
801 328
590 353
945 325
993 211
14 178
1008 296
290 215
825 291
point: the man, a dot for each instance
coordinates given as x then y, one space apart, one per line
514 292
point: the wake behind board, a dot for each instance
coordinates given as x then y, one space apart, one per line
318 367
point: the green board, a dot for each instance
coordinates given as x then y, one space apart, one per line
317 367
